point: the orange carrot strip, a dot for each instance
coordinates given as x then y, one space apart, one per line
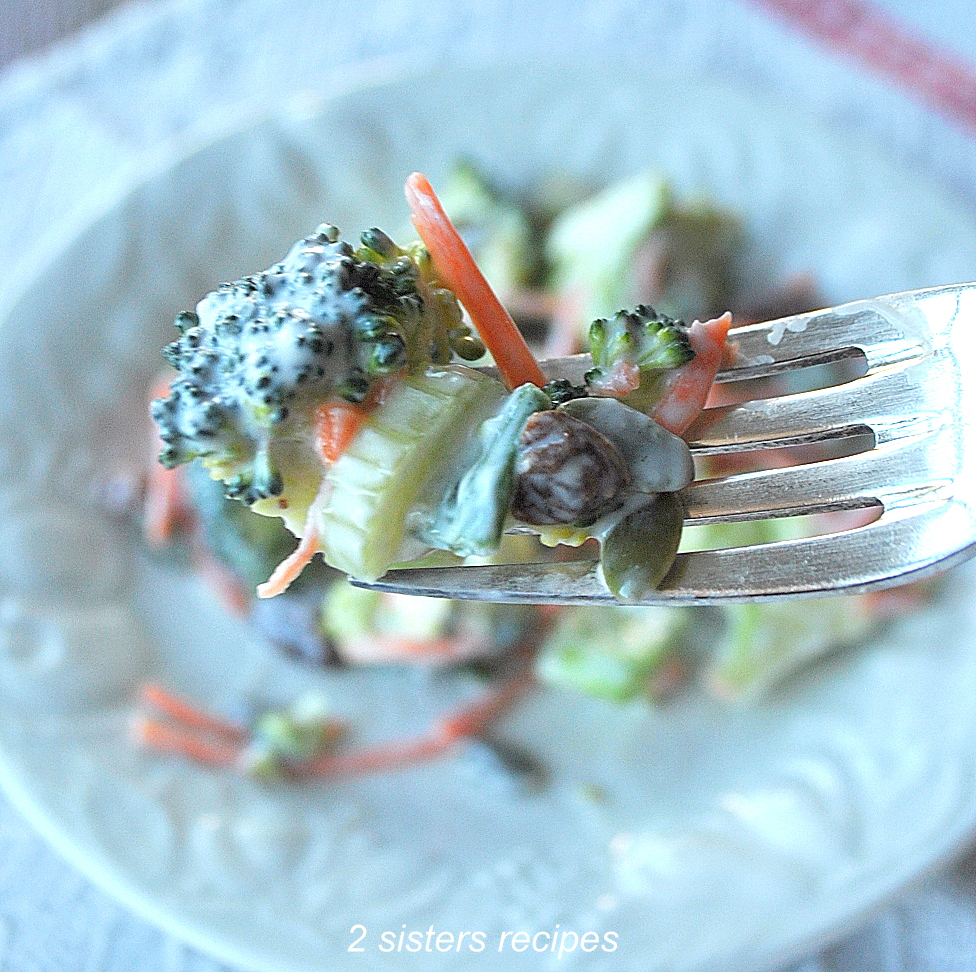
370 649
165 505
282 576
457 268
447 733
690 385
189 715
445 736
392 756
336 425
472 719
292 565
179 742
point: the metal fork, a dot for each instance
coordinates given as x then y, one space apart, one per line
916 398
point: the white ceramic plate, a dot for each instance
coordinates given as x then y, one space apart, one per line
729 838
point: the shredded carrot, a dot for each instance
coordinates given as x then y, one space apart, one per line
213 741
292 565
164 507
457 268
336 425
391 756
188 715
289 569
370 649
689 388
475 718
446 735
180 742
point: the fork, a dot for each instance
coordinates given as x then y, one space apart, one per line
916 403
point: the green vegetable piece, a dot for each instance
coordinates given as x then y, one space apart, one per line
350 614
643 337
652 343
611 653
471 518
635 241
591 245
386 469
639 549
249 544
303 730
764 643
747 533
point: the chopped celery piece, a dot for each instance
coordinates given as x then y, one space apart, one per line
598 249
351 613
591 245
381 476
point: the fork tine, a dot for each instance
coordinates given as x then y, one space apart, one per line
883 474
852 561
910 400
885 402
914 538
877 328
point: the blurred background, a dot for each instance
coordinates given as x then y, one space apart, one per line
28 26
32 25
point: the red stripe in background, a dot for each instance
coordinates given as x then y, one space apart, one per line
875 38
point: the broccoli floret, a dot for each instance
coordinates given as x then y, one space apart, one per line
259 354
562 390
641 337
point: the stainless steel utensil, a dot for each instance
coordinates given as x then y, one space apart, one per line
916 400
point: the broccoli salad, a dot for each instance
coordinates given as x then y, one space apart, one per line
329 390
335 415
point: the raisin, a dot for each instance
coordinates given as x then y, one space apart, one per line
565 472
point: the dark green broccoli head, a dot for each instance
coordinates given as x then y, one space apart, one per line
642 337
260 353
